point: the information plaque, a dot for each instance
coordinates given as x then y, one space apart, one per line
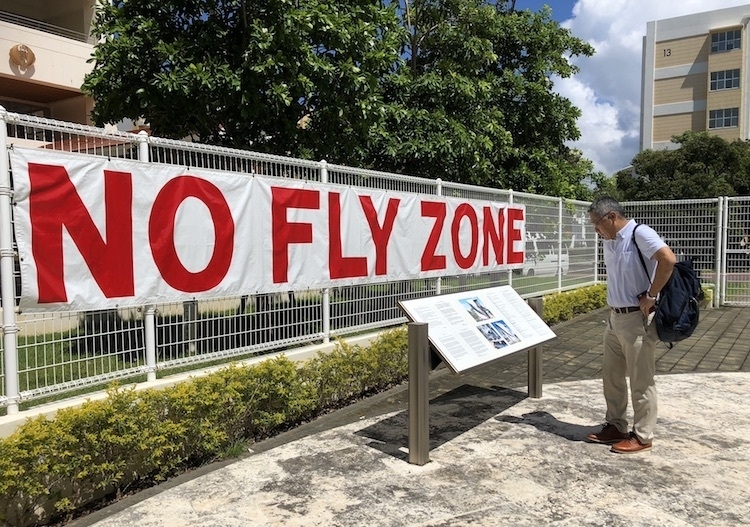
471 328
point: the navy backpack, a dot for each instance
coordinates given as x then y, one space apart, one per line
677 310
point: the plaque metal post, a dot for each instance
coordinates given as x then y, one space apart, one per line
535 355
419 399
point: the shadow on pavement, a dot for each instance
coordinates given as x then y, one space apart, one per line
546 422
451 414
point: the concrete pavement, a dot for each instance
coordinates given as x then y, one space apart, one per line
497 457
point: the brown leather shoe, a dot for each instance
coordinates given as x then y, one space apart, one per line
631 445
607 435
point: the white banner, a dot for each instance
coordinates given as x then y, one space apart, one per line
95 233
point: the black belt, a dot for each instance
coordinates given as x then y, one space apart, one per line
621 310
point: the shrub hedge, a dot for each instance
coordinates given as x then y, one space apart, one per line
559 307
52 468
131 439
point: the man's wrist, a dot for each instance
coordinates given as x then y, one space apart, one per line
649 296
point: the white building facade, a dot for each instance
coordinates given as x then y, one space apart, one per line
694 77
47 45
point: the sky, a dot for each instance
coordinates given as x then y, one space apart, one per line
607 88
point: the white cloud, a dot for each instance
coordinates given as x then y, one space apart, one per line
608 87
601 133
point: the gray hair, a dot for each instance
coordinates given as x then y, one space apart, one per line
606 204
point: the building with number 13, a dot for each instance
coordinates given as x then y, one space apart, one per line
695 77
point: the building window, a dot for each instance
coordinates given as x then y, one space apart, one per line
725 80
725 41
726 118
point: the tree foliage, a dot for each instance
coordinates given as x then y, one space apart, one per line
604 185
704 166
474 103
456 89
284 77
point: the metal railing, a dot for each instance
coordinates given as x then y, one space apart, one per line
713 233
31 23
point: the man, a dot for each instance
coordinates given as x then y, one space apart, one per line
630 338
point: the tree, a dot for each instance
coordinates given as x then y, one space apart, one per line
473 101
456 89
603 185
704 166
283 77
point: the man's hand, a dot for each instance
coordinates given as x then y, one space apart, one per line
646 303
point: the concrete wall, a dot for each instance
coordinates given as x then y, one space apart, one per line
60 62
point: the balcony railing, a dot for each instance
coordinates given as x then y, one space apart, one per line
19 20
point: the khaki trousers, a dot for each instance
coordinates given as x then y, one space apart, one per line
629 343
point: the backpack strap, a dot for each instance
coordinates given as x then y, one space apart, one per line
670 345
640 254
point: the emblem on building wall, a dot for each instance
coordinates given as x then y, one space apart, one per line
22 55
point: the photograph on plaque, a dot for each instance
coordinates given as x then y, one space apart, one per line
476 309
474 327
499 333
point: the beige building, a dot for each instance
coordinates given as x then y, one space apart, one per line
695 76
47 45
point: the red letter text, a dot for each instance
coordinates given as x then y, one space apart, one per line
430 260
284 232
341 266
161 234
493 235
54 203
464 210
514 235
380 235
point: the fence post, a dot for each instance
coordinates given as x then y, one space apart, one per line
149 319
720 252
149 328
325 307
143 146
7 267
559 243
438 192
510 271
189 325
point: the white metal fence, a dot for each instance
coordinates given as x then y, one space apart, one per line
713 233
735 251
60 352
48 353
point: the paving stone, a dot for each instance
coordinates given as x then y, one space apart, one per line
497 457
